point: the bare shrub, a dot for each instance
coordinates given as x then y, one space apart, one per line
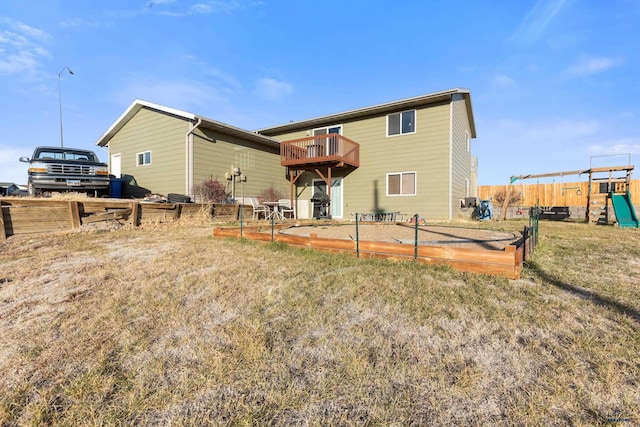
270 194
513 197
211 190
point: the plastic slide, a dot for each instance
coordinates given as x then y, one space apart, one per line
623 208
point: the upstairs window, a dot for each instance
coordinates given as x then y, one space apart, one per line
401 184
143 158
401 123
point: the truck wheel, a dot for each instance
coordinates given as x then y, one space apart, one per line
33 191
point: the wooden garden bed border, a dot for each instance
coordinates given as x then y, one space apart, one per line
506 263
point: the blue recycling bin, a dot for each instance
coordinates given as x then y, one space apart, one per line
115 188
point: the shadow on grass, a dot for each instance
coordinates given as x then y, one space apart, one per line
586 294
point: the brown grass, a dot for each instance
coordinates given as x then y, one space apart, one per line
165 325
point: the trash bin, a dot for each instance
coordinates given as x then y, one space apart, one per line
115 188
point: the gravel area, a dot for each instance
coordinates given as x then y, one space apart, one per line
427 235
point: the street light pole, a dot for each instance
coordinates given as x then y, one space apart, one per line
60 100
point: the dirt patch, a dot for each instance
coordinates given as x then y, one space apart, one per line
427 235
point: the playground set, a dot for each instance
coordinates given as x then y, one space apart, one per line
608 193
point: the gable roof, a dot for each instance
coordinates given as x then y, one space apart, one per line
204 123
385 108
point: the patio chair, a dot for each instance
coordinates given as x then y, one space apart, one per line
284 207
258 209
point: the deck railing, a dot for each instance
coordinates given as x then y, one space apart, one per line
320 149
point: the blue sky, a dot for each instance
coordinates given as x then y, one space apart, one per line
554 83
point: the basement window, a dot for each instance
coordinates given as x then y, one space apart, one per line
401 123
143 158
401 184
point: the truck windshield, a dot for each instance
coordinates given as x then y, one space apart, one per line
65 155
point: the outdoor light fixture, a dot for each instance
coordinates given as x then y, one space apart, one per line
60 100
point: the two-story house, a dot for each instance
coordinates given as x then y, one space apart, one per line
411 156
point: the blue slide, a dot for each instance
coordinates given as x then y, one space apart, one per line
625 213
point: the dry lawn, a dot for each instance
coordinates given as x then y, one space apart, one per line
166 325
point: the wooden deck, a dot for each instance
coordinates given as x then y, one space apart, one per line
318 150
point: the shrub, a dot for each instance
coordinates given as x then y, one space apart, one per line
211 190
514 197
270 194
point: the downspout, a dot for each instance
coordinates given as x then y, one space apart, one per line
451 158
189 156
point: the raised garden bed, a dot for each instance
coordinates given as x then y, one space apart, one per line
471 250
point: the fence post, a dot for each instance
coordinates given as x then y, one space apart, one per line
525 235
273 224
241 217
3 230
357 239
415 245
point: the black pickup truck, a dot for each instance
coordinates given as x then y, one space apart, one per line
66 169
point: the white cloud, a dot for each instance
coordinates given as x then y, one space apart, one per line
20 48
537 20
587 66
31 31
564 130
200 8
273 89
503 81
189 95
617 146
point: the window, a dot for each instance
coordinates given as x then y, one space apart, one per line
401 123
331 129
328 144
401 184
143 158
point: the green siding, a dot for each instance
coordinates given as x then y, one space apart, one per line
213 155
164 136
461 157
425 152
216 153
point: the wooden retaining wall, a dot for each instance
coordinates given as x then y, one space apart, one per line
506 263
40 215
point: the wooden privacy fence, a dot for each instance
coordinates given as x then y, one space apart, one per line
506 263
39 215
551 194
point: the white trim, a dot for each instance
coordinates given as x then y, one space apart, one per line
138 104
341 185
313 189
131 111
144 164
313 131
189 164
415 184
415 120
451 160
111 171
376 110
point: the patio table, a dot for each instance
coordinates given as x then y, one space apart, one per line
274 212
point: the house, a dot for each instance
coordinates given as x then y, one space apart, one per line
411 156
164 150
